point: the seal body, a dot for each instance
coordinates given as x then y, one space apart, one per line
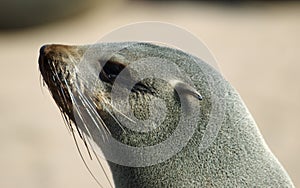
237 156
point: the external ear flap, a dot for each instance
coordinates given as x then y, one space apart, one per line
184 88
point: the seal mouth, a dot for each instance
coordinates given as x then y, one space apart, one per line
79 108
56 74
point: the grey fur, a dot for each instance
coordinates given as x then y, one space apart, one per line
238 157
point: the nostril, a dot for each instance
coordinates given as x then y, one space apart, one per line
42 49
43 57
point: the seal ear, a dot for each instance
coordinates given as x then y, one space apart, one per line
184 88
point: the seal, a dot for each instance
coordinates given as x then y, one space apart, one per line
81 80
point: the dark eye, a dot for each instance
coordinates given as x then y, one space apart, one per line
110 71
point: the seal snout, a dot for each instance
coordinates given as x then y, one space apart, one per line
48 50
42 49
51 59
43 57
58 52
43 54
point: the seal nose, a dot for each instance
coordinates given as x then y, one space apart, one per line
44 55
43 50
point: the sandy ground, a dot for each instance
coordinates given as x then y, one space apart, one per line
257 48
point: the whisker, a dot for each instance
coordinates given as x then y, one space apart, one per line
117 110
81 134
42 84
96 156
116 120
66 121
91 106
84 109
78 111
99 162
83 160
73 102
85 143
76 108
63 97
96 121
95 112
107 110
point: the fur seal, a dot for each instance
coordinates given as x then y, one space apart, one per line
79 77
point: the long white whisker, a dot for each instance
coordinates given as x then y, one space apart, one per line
89 106
67 121
87 101
92 148
116 120
82 158
77 107
100 121
99 162
115 109
83 138
64 99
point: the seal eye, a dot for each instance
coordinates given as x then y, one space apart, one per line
110 71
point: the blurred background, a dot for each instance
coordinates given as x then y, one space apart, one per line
257 46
